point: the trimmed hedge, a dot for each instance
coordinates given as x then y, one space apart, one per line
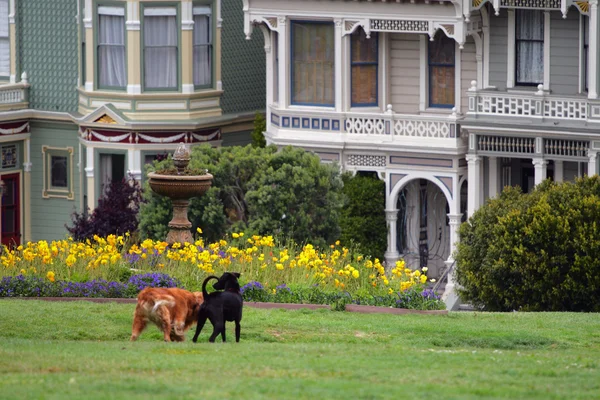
534 252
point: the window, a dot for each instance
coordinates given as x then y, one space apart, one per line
313 64
58 172
9 156
111 47
529 47
4 40
112 168
161 40
364 65
202 46
441 71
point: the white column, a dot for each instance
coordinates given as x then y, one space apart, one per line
450 297
282 39
391 255
592 163
134 164
539 165
510 56
89 173
339 80
473 176
559 170
547 50
493 176
594 41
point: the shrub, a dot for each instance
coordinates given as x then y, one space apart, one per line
116 212
534 252
259 190
257 135
362 220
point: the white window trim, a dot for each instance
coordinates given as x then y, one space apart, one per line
202 10
115 11
382 79
169 11
9 21
511 46
48 190
582 67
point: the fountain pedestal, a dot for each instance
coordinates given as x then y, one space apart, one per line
180 187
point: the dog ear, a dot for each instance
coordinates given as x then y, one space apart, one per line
236 274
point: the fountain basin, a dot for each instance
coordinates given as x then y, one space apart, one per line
179 187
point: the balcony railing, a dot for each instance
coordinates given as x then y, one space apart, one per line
14 96
537 105
387 125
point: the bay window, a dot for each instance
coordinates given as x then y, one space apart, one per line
202 46
364 64
441 60
161 51
111 47
529 47
313 63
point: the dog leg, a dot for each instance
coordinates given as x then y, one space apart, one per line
139 324
219 327
164 319
238 330
201 321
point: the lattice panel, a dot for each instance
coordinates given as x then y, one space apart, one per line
506 106
434 129
363 160
531 3
390 25
365 126
505 144
565 109
569 148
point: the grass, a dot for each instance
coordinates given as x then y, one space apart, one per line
81 350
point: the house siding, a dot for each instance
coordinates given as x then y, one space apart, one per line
404 73
498 49
468 72
564 54
49 216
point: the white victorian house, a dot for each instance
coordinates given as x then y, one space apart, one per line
448 101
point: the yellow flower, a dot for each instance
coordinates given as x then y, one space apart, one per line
337 242
355 274
50 276
199 230
23 272
279 266
235 235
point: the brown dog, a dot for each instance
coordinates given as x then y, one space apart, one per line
173 310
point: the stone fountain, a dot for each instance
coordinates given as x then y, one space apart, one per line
180 186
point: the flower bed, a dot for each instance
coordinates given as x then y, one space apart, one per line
271 272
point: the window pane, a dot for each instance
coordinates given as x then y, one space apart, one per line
441 80
111 50
530 62
160 52
202 50
441 50
313 61
363 49
530 24
58 171
364 84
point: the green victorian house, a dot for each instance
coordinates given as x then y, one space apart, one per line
91 90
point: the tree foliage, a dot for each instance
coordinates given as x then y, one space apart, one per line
116 212
538 251
259 190
363 217
258 135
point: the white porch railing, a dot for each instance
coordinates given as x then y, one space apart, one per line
538 105
387 124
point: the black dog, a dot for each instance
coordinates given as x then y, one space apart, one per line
223 306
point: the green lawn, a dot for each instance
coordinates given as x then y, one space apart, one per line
80 350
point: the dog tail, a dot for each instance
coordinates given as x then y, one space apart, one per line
208 278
